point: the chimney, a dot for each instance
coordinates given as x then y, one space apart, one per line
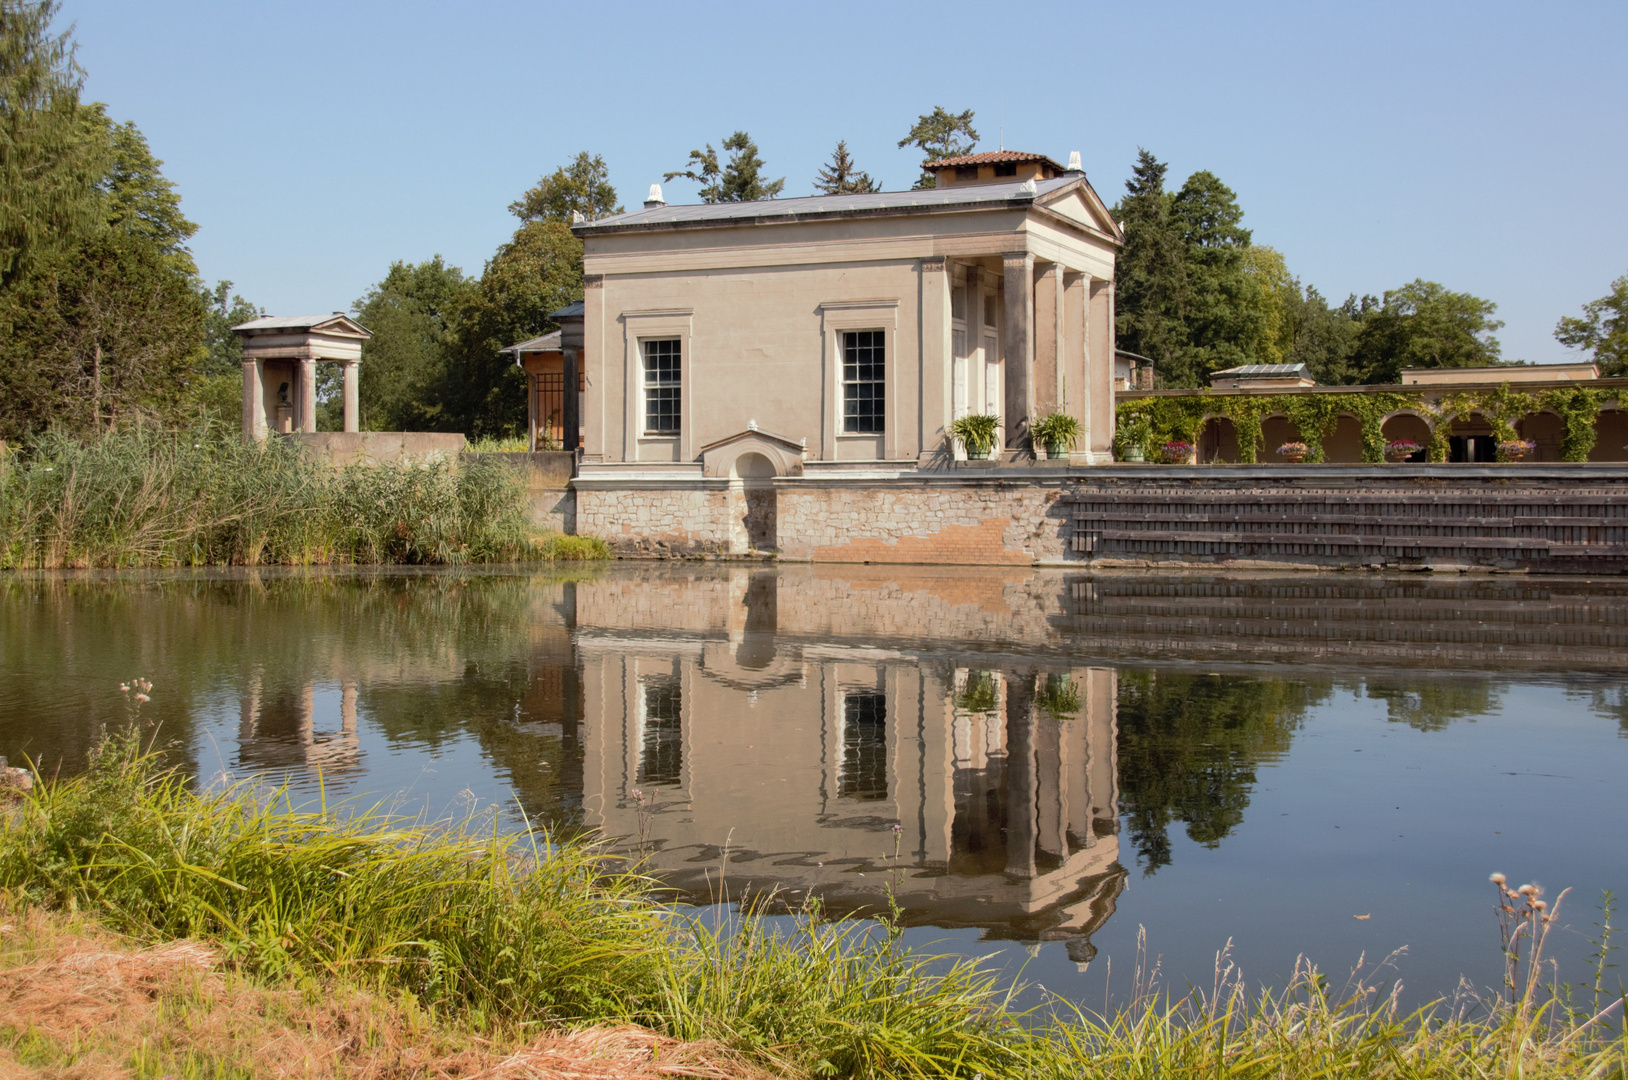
1074 162
654 199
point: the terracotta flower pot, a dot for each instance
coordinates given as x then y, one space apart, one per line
1294 459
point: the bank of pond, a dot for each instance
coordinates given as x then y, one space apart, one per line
506 934
147 497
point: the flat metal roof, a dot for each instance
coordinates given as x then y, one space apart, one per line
777 211
1259 371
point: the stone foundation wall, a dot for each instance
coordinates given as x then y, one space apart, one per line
980 522
660 521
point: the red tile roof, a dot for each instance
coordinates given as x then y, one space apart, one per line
991 158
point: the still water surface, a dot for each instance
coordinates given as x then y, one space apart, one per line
1038 764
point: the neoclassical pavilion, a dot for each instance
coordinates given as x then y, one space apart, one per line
280 357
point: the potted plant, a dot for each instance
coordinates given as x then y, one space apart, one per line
1130 440
1399 450
1057 432
1177 452
1294 452
1516 449
977 432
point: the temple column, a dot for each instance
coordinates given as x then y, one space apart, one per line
352 396
307 393
1019 348
254 399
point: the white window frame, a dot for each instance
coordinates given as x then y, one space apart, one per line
638 327
837 316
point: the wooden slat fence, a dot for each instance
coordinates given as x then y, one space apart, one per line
1475 522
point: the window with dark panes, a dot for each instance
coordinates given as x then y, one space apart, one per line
863 364
661 386
864 747
661 750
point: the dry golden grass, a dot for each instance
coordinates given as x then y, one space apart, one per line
78 1002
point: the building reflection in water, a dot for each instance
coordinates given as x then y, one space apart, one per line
277 727
983 793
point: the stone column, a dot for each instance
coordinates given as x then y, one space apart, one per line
937 362
1078 389
353 410
307 393
1048 309
1019 348
569 422
1100 370
254 400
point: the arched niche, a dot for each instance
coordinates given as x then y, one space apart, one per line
1218 441
1275 431
784 457
1610 436
1411 427
1344 443
1547 430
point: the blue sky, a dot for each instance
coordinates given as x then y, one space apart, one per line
1479 145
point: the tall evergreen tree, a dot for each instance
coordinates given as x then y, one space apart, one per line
1151 271
940 134
740 179
583 188
50 159
1223 314
841 177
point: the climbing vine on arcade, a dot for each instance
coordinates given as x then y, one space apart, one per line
1315 416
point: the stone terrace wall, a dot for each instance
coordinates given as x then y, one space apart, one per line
1555 518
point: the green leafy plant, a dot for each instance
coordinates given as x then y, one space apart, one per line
1136 431
1056 429
977 432
979 694
1058 698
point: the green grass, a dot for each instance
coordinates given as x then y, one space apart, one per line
498 933
142 496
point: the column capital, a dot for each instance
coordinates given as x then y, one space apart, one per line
1015 259
932 264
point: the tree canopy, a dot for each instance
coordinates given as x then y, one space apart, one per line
740 179
102 317
1602 329
940 134
841 176
583 187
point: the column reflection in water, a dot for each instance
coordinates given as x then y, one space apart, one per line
746 760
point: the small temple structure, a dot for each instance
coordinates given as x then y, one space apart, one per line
280 357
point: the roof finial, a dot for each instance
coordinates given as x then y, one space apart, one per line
654 199
1074 161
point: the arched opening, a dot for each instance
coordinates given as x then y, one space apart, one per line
756 474
1344 443
1470 439
1610 436
1545 429
1218 441
1406 427
1275 431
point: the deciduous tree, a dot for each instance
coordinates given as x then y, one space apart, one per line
583 187
1602 329
405 364
1423 324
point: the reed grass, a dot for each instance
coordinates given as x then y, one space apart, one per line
502 934
143 496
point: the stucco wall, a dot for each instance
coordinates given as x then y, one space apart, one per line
348 447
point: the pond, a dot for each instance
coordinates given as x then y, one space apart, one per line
1039 766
